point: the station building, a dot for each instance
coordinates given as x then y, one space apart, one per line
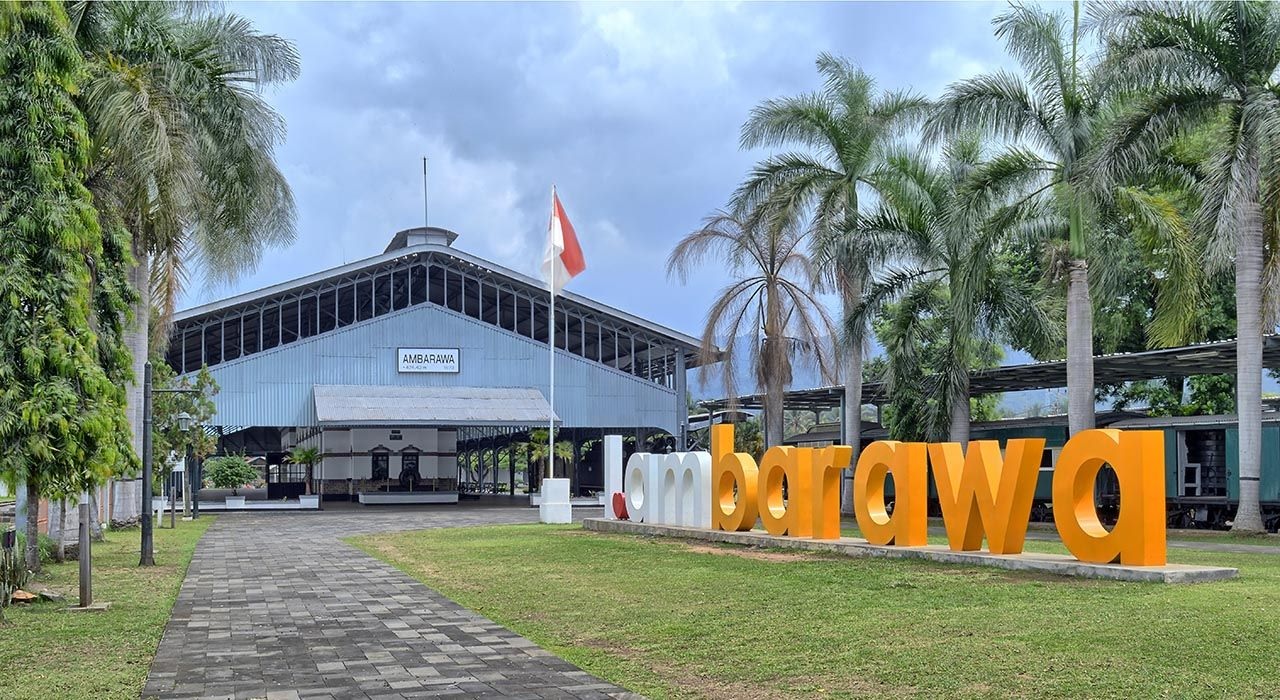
421 373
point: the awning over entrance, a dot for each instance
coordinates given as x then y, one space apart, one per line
354 405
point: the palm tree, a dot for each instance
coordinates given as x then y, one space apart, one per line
310 456
770 303
844 130
537 451
1051 115
958 276
183 147
1194 64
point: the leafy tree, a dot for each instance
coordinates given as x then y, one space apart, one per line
842 131
229 472
167 436
309 456
960 299
182 147
1188 65
1049 113
61 409
770 302
537 450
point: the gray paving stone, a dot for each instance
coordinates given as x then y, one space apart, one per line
275 606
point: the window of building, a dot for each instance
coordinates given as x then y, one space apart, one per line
289 321
381 464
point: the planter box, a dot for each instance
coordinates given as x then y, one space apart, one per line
235 501
309 501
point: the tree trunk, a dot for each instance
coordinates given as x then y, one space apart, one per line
62 530
32 552
1080 397
137 339
95 524
959 430
852 414
1249 364
309 473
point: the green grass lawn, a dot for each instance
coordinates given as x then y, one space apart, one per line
47 652
670 618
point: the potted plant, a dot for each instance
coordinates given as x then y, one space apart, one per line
230 472
310 457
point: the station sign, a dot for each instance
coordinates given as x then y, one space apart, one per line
985 495
429 360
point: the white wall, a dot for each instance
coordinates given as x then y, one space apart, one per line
338 443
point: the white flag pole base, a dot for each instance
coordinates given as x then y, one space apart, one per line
555 507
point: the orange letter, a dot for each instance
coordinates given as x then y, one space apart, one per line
733 483
794 514
828 462
981 495
1138 538
908 463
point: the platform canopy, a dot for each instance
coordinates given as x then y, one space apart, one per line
357 405
1217 357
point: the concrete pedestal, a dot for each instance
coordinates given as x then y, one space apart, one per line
555 506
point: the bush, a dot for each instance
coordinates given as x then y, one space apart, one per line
13 570
229 472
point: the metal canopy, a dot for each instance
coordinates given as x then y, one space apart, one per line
356 405
1218 357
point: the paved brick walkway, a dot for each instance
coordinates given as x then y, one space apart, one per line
275 606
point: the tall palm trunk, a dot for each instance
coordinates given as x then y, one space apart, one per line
852 413
959 429
137 339
1080 401
32 550
1249 364
774 355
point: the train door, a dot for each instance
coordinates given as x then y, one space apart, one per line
1202 462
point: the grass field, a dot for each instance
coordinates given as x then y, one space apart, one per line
47 652
679 619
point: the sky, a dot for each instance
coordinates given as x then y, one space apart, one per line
632 111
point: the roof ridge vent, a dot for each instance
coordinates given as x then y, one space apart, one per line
421 235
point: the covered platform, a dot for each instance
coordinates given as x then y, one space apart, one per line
1217 357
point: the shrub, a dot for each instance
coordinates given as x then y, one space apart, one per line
13 570
229 472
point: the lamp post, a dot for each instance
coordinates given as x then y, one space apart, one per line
148 535
184 425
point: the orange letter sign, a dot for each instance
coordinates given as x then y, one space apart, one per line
1137 456
792 515
828 462
982 494
733 483
908 462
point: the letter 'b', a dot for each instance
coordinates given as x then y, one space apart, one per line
1137 456
731 471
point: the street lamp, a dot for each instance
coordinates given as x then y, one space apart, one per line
148 534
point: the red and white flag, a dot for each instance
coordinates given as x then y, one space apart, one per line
562 259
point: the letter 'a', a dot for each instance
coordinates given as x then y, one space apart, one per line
908 463
1137 456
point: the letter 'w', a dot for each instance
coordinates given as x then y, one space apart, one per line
982 494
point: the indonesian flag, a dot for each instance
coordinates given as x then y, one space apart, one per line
562 260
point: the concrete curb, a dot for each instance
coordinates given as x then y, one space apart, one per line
1058 564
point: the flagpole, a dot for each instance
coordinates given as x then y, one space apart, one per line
551 324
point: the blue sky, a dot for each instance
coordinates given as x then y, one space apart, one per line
633 111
